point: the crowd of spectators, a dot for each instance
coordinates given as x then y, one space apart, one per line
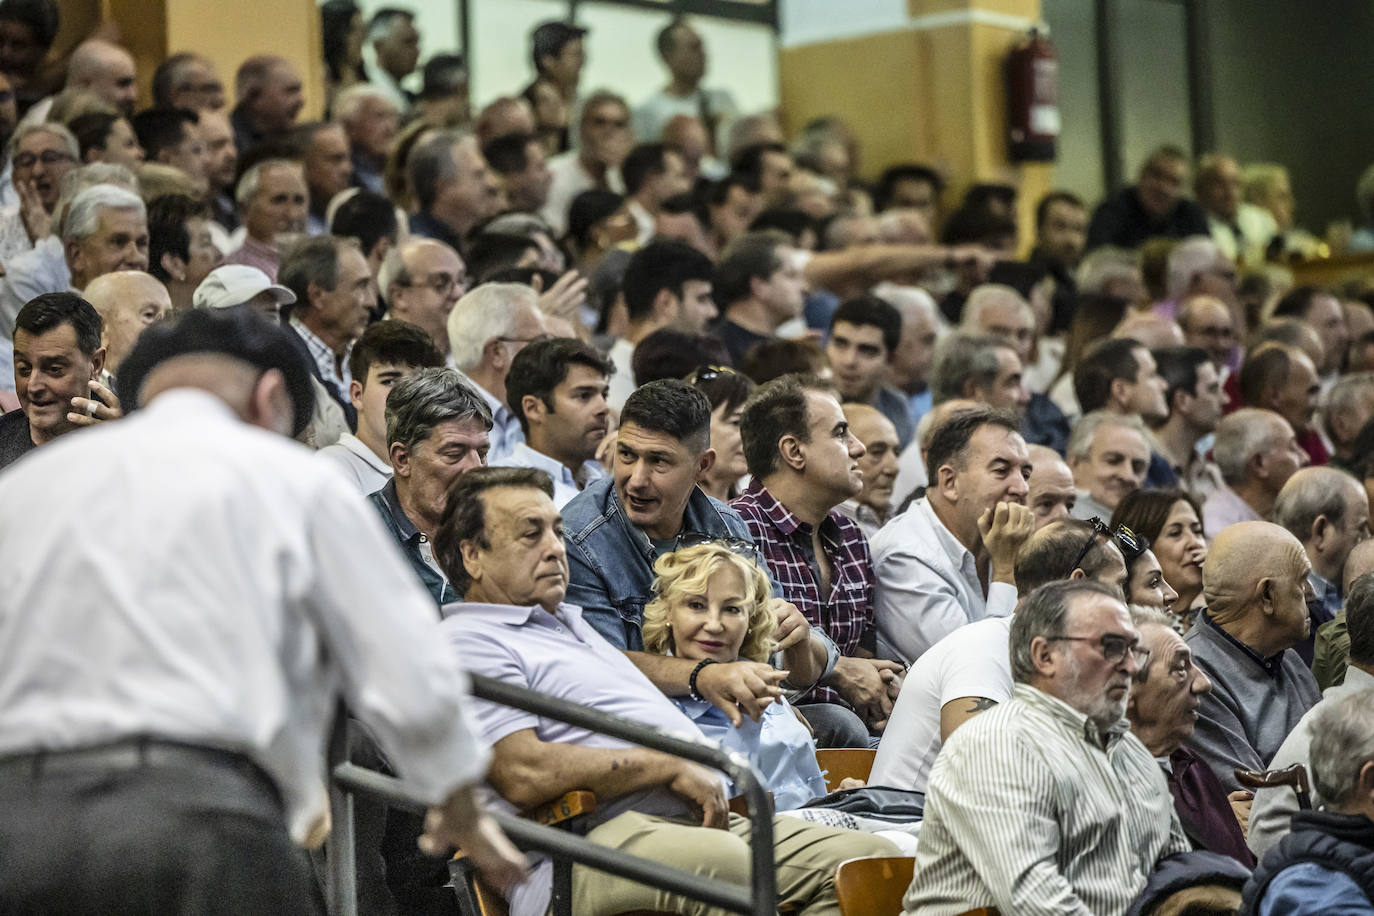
676 417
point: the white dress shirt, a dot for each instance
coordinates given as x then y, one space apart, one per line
928 585
506 433
182 575
360 464
565 485
569 179
622 382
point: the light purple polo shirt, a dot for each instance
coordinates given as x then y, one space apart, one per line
561 656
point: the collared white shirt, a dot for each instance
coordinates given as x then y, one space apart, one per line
569 179
333 368
360 464
644 221
201 581
565 485
506 433
863 515
928 585
622 383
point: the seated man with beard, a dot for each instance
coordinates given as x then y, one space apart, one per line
1048 803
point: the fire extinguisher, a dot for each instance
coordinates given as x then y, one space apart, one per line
1032 73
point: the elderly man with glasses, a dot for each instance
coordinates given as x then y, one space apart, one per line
1048 803
968 672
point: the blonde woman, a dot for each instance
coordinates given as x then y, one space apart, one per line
714 605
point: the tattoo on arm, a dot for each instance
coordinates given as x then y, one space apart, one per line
981 704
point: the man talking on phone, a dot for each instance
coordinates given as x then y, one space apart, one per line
57 361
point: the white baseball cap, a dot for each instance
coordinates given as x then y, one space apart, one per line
235 284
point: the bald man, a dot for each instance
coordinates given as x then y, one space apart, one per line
1255 584
1052 491
1328 512
107 70
128 301
873 506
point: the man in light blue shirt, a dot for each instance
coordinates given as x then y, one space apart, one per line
556 389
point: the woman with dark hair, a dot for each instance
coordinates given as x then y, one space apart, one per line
106 138
341 22
1145 582
1170 520
727 390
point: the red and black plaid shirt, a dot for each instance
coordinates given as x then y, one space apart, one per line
786 546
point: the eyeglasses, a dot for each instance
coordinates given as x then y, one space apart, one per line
1129 542
707 374
1114 648
47 157
538 338
441 284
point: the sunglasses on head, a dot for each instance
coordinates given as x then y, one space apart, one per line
707 374
1132 545
739 546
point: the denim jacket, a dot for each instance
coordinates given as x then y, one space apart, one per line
612 561
408 539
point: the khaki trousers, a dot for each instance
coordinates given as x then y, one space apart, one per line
805 856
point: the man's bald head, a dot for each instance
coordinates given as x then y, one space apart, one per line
1230 585
128 301
1052 492
107 70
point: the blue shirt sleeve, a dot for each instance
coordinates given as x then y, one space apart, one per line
1307 888
587 590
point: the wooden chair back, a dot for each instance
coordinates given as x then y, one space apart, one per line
838 763
873 887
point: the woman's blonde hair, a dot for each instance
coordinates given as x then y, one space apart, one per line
687 571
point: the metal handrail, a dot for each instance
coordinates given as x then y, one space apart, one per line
760 900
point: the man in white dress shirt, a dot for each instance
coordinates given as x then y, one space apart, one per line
166 692
388 352
557 390
486 329
948 560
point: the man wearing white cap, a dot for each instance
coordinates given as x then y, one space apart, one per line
238 286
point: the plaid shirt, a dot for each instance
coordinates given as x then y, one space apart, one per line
326 359
785 543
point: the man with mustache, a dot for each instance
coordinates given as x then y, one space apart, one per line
1255 584
1048 803
1163 707
557 390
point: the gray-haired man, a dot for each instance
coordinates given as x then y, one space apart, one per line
437 427
1027 805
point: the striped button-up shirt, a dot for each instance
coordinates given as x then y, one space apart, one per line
846 615
1030 809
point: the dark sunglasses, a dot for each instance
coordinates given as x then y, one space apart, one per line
740 546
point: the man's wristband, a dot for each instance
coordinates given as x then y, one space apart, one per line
692 681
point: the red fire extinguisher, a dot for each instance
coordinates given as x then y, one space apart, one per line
1032 72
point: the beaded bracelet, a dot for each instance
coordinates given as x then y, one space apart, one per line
692 681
